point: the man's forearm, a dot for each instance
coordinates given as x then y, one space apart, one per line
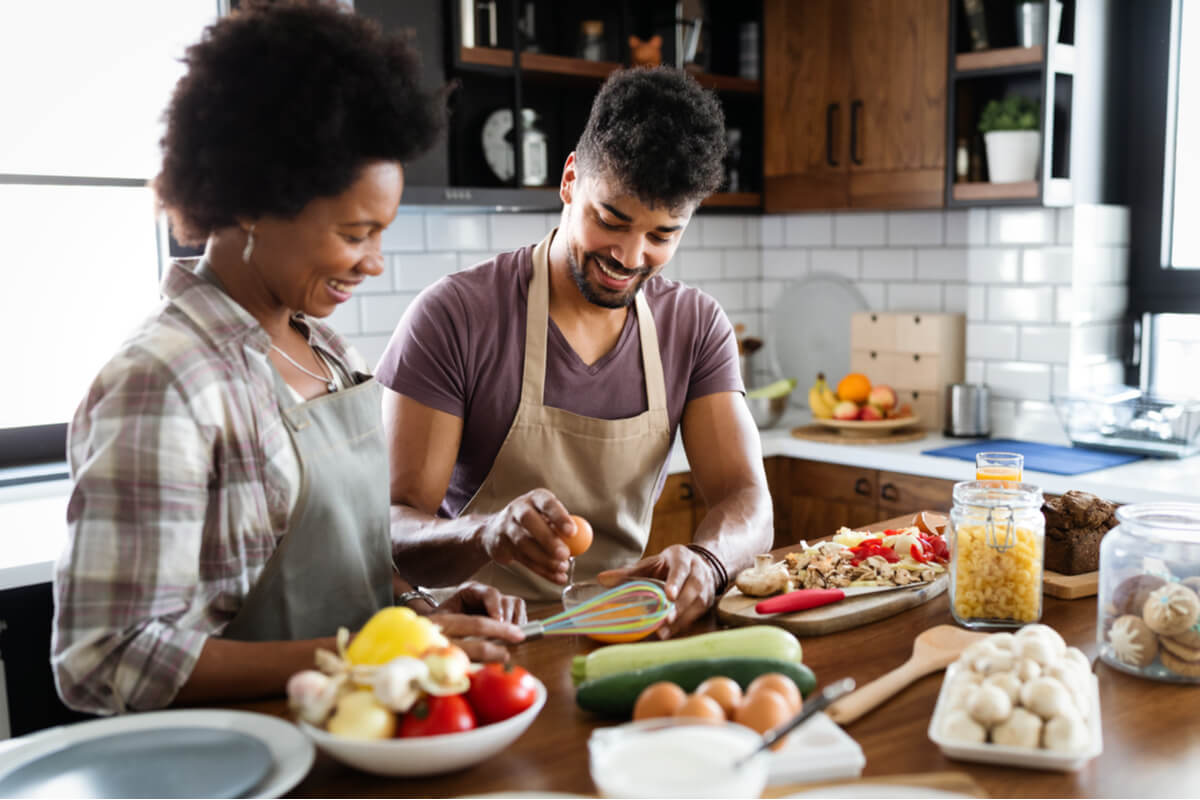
431 551
738 527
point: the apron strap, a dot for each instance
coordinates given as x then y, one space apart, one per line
537 314
656 384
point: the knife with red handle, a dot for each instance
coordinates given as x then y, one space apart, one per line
802 599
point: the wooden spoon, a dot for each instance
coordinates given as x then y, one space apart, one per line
933 650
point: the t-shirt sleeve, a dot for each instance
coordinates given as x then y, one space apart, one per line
716 366
426 357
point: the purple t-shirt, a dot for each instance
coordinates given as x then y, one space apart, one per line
460 348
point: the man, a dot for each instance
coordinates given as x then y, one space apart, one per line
550 380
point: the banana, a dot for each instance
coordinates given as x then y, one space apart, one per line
821 398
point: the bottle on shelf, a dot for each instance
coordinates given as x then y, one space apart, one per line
591 46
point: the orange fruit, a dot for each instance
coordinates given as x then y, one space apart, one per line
579 541
854 387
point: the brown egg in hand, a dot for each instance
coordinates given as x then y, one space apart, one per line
579 541
778 682
725 691
763 710
660 699
701 707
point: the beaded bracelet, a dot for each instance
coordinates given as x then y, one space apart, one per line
722 575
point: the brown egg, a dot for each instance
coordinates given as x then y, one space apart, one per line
701 707
725 691
660 699
781 683
763 710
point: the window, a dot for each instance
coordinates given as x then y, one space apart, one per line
1164 180
83 86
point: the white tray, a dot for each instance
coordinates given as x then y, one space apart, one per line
819 750
1033 758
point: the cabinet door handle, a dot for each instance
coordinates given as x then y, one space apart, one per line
685 491
830 110
890 492
854 107
862 486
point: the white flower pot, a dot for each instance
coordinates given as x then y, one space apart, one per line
1012 156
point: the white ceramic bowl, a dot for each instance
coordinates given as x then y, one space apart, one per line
428 755
676 757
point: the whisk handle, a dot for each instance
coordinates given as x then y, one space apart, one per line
533 630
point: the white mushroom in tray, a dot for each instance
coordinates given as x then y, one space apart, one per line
1066 734
959 726
1021 729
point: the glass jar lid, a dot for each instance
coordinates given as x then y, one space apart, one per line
1174 521
997 494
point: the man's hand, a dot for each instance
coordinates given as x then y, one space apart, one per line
477 610
529 530
474 597
690 581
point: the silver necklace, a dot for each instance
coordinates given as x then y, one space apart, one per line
330 384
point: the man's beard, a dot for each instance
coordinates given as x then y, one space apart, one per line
602 295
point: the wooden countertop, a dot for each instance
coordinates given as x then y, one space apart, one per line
1151 730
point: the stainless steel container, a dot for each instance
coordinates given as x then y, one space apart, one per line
967 410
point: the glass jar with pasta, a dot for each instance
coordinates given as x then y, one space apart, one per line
997 537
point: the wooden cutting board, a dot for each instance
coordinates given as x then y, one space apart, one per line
736 608
1070 587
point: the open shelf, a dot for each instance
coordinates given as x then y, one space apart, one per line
999 58
544 64
485 56
1024 190
733 200
727 83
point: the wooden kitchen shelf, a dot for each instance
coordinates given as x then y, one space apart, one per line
727 83
733 200
1024 190
485 57
999 58
543 64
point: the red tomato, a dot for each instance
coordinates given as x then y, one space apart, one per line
500 691
434 715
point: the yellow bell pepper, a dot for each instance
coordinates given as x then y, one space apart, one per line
394 631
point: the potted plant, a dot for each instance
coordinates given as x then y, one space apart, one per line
1010 137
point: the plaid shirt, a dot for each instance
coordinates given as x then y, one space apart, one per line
184 478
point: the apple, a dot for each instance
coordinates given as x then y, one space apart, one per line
845 410
882 397
904 411
870 413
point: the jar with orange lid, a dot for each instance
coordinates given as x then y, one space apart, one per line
997 542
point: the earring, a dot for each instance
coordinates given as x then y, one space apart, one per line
248 250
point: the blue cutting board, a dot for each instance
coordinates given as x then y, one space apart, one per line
1040 457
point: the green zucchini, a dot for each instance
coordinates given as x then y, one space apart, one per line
753 641
614 695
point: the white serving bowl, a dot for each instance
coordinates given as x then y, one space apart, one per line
428 755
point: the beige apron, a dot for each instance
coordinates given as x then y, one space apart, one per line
333 567
603 470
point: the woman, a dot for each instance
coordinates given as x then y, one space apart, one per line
230 502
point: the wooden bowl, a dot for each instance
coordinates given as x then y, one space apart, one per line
855 428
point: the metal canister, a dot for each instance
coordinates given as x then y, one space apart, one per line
967 410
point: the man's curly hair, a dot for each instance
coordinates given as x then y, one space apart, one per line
283 103
657 134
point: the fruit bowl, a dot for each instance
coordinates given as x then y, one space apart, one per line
427 755
863 428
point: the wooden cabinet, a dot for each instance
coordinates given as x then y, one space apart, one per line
854 104
676 514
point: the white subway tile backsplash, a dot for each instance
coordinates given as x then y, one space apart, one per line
370 347
976 303
730 295
889 264
1100 303
1020 304
406 233
954 298
940 264
1046 343
742 264
345 318
915 228
808 230
986 341
914 297
412 273
785 264
769 294
380 313
1036 421
1095 342
977 226
1047 265
468 259
874 293
974 371
723 232
753 231
1017 380
1065 233
1064 304
457 231
511 231
858 230
1062 380
699 265
693 234
771 226
1021 225
1101 224
1101 264
835 262
956 227
993 265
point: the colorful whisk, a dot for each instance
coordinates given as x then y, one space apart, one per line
636 607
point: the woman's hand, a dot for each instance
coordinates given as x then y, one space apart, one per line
476 613
690 582
529 530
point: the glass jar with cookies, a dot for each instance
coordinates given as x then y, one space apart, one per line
1148 609
997 542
